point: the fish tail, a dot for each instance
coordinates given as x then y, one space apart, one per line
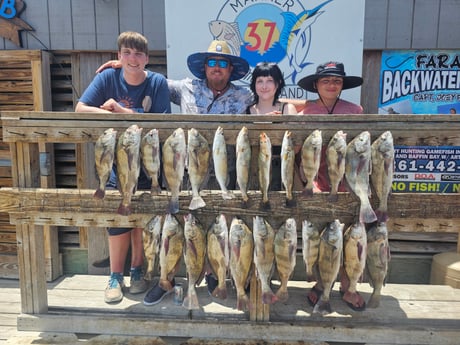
290 202
307 192
244 203
374 301
226 195
311 277
265 205
165 284
191 300
243 303
196 203
148 275
220 292
99 193
155 190
322 307
268 297
173 206
382 215
367 214
333 197
282 295
124 210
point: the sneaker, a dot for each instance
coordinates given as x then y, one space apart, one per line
211 282
114 290
156 294
137 282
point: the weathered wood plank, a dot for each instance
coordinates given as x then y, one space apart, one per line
69 127
408 314
79 208
16 86
24 55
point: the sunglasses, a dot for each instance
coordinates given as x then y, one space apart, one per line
217 62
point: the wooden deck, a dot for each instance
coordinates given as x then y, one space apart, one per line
409 314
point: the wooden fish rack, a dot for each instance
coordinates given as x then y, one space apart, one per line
32 204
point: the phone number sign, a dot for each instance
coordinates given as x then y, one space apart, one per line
427 169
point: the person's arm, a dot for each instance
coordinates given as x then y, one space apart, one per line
299 104
84 108
175 93
109 64
109 106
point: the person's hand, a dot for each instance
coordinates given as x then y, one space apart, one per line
114 107
276 112
109 64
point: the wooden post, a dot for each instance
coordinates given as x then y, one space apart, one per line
30 238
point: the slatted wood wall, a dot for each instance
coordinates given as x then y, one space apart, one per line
24 85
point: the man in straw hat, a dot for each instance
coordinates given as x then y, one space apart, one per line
328 82
213 91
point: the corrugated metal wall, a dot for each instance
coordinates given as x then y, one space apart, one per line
90 24
95 24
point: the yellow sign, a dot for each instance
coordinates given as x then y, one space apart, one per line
10 23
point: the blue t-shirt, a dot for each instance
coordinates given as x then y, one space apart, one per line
152 96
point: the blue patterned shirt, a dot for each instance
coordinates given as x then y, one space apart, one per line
194 97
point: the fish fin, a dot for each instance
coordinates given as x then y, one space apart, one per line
290 19
196 203
99 193
360 250
228 36
191 245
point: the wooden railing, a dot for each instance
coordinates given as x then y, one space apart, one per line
30 206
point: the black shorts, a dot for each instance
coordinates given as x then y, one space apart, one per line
118 231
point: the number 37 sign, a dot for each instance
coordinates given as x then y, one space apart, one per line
427 169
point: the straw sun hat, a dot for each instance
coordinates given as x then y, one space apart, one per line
197 61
